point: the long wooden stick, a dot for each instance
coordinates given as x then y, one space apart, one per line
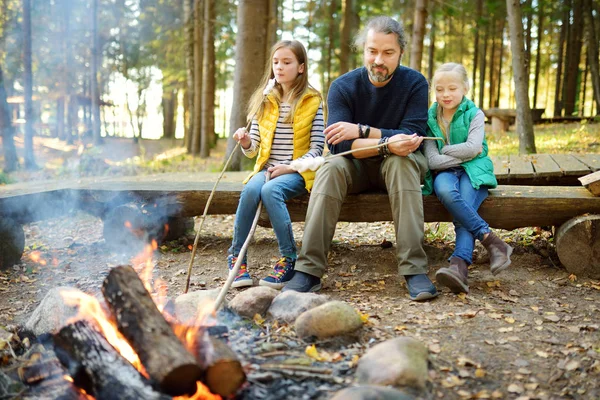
376 146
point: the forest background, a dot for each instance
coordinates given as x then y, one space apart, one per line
83 71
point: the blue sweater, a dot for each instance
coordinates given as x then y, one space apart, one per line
398 107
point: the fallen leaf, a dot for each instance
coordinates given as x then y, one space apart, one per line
552 318
258 319
510 320
572 277
541 353
515 388
493 284
572 365
479 373
435 348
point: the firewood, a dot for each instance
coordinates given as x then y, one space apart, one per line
12 242
168 363
578 245
224 374
97 367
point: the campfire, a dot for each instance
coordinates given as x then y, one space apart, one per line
128 347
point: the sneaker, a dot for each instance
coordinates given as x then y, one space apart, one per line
282 273
303 283
420 288
242 278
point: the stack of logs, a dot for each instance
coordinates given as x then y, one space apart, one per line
170 369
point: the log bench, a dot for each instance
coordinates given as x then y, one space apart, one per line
501 118
147 203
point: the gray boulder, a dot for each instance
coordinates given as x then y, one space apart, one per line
331 319
255 300
287 306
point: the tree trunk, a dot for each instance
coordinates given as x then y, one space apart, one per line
571 93
188 11
524 119
198 64
28 86
346 29
592 49
540 32
272 24
94 92
558 101
169 107
208 80
250 54
162 354
431 51
416 48
482 66
528 22
476 46
11 162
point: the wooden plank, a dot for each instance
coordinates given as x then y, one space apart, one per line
591 160
570 165
545 166
500 166
592 182
520 168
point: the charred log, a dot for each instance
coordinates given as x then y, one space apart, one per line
166 360
12 242
97 367
224 374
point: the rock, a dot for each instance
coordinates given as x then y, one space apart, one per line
188 305
370 392
397 362
53 312
287 306
331 319
255 300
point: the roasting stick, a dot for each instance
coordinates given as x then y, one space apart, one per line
196 239
236 268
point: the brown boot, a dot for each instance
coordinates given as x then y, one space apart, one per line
499 253
454 277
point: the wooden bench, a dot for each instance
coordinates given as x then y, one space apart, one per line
501 118
147 203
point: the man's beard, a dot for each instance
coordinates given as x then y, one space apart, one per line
377 76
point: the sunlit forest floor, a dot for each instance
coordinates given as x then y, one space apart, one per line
528 333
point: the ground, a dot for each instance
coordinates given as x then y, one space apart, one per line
530 332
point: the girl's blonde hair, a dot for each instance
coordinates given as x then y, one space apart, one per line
464 77
257 103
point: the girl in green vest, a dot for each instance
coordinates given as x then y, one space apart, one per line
462 174
287 124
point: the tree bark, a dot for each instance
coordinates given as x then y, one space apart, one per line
250 55
478 21
346 29
592 49
418 34
558 99
11 161
208 80
162 354
97 367
169 107
29 158
483 64
538 53
188 17
571 92
95 92
524 119
198 64
578 244
223 371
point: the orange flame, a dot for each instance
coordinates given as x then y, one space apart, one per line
90 310
202 393
36 257
127 224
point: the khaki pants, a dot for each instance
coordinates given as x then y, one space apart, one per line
400 176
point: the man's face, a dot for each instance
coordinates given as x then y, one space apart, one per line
381 56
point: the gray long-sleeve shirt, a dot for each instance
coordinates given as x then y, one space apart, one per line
452 155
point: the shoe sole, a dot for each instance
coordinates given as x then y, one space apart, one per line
241 284
501 268
277 286
424 296
315 288
450 281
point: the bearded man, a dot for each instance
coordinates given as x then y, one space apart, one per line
379 103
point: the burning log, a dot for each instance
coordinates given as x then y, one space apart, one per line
223 371
163 355
97 367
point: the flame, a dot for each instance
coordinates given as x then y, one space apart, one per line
202 393
90 309
36 257
127 224
205 316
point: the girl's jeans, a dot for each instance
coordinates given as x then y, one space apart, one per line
453 188
273 194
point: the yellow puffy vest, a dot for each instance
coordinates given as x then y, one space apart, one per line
302 123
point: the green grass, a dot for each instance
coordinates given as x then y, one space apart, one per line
550 139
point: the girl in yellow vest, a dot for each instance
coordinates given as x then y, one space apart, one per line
463 173
287 124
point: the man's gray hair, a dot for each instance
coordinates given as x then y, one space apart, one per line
385 25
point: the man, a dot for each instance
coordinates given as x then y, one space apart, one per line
379 103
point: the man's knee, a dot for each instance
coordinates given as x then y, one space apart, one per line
332 177
404 171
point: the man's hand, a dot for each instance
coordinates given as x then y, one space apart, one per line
403 145
242 137
279 170
340 131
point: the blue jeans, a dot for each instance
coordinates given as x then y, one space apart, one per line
273 194
453 188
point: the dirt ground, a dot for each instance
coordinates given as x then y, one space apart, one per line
531 332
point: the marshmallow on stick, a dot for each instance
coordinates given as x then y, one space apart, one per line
314 163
